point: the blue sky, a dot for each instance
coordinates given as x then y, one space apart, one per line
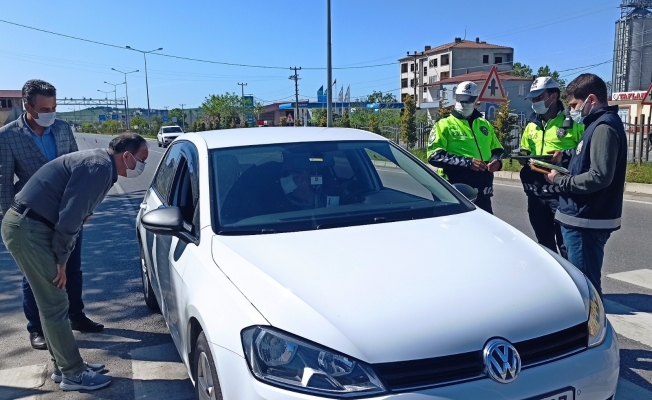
562 34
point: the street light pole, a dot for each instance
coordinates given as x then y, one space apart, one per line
149 110
329 67
106 95
126 91
183 117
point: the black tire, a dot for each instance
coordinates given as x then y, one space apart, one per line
159 143
207 386
148 292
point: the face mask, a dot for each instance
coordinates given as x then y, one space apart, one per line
465 109
288 185
45 119
577 114
137 171
540 107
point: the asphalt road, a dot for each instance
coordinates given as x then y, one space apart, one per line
137 347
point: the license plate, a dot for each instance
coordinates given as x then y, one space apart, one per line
565 394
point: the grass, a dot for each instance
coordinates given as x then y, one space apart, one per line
635 173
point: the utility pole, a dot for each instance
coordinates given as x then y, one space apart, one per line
414 58
126 91
242 102
329 67
183 117
296 78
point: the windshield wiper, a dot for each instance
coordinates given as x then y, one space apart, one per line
243 232
366 221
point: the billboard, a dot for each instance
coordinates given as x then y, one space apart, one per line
248 101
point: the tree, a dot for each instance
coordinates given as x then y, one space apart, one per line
504 125
345 121
111 126
283 121
138 121
87 127
180 115
317 115
522 70
157 122
379 97
222 109
408 123
373 124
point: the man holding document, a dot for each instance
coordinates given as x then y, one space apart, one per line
591 193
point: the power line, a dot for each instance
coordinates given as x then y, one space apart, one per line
182 57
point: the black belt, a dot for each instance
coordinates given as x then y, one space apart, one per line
31 214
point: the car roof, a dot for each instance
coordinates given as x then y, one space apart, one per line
259 136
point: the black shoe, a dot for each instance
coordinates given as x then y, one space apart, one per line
84 324
38 341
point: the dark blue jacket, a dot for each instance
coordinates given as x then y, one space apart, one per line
601 209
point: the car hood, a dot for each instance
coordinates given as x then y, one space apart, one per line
404 290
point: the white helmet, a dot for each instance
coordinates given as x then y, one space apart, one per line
467 92
540 85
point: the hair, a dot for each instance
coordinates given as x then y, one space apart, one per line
35 87
130 142
586 84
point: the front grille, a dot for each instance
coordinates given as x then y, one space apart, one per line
457 368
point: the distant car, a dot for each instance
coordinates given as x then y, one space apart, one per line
306 263
167 134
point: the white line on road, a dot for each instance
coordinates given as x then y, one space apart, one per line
628 322
29 377
639 277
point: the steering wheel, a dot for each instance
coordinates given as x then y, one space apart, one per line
356 193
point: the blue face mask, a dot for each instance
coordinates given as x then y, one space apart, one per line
577 116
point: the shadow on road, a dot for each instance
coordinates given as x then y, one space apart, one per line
639 301
632 361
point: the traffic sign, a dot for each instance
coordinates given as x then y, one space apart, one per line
174 119
648 97
490 111
102 117
115 117
492 91
165 118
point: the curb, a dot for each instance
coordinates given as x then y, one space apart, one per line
630 187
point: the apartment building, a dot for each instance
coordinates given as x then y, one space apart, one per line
448 61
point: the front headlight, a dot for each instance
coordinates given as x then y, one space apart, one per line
281 359
597 325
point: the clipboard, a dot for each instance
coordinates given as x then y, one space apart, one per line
545 168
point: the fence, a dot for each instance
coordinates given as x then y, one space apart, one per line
639 139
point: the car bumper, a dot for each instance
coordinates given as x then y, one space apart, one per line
168 140
593 374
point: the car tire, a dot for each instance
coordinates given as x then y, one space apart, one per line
207 385
159 143
148 292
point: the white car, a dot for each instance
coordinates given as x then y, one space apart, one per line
306 263
167 134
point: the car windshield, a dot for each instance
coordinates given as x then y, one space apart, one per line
319 185
172 129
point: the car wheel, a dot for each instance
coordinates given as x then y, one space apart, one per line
159 143
206 382
148 292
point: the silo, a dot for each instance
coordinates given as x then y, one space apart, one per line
640 68
632 63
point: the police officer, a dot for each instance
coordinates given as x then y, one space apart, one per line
465 147
545 135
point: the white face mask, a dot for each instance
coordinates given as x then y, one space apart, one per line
577 116
137 171
465 109
45 119
540 107
288 185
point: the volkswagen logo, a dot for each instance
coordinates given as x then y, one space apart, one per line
502 361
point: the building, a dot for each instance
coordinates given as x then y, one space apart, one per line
440 93
11 105
629 106
448 61
632 65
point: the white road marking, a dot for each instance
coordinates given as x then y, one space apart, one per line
639 277
158 373
29 377
631 323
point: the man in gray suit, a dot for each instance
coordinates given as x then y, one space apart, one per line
27 144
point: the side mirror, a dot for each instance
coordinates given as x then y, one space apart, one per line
467 191
167 221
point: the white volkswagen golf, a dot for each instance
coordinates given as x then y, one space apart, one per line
306 263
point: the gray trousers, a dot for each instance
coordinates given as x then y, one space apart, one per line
30 244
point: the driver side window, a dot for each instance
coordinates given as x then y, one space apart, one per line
183 196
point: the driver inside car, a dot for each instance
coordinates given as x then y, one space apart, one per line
306 182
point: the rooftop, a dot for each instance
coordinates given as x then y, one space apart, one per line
479 77
460 44
16 94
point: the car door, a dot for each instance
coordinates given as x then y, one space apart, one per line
158 196
184 194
